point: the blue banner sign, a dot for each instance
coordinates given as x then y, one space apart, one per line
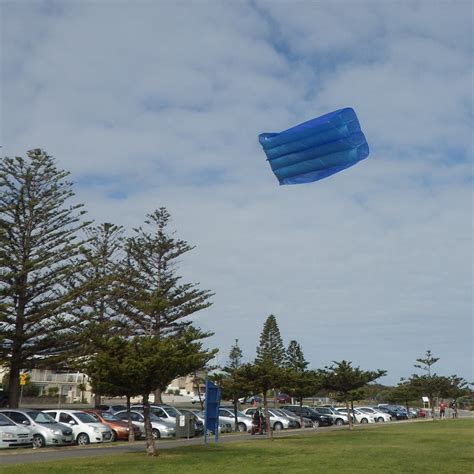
211 407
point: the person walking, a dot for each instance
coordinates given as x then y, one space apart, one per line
442 410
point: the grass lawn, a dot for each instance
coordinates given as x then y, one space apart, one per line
427 447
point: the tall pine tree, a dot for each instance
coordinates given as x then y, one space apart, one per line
39 252
271 349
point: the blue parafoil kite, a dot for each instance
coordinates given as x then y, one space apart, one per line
316 149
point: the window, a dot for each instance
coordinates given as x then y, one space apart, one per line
52 413
18 418
65 418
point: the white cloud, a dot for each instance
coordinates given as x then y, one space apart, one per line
164 102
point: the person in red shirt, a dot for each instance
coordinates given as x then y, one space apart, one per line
442 410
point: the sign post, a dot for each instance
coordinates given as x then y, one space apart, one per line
22 384
212 401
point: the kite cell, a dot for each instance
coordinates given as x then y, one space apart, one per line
316 149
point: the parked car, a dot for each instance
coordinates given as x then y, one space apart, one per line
283 398
251 399
244 422
13 435
421 413
308 412
393 412
198 398
160 428
378 415
120 429
86 429
224 426
360 417
307 423
338 419
164 412
277 419
46 431
111 408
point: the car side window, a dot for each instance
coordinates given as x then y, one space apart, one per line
52 414
223 413
159 412
135 417
18 418
122 416
65 418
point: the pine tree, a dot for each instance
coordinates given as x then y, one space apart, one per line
271 349
235 357
294 359
158 304
39 252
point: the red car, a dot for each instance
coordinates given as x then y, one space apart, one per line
283 398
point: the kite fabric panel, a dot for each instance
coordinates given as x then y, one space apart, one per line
316 149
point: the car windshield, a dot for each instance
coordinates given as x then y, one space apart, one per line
279 412
40 417
171 411
84 417
5 421
365 410
109 417
287 412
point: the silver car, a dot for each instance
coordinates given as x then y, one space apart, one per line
338 419
13 435
224 426
244 422
160 428
278 420
46 431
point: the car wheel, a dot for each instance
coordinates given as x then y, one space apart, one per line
315 424
364 421
156 434
83 438
380 419
241 427
339 422
114 436
38 441
277 426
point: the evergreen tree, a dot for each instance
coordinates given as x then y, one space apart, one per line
235 357
344 379
158 303
271 349
294 359
39 252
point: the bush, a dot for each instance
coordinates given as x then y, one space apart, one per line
52 391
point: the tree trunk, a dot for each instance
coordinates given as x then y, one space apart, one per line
267 416
157 394
13 384
349 416
131 431
150 442
432 407
97 399
236 421
301 414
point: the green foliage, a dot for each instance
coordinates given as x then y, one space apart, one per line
270 351
344 379
294 357
157 303
427 362
39 253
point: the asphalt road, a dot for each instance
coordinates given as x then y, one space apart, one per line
21 456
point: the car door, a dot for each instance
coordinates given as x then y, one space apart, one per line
68 420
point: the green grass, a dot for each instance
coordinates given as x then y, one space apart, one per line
427 447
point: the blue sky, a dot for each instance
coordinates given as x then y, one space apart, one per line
153 104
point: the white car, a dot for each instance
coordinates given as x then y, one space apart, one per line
379 416
278 420
159 427
359 416
13 435
86 429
